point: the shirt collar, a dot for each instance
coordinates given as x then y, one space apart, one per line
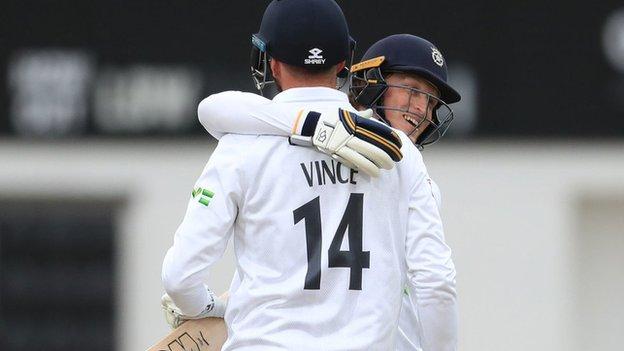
311 94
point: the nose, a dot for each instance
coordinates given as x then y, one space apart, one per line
419 103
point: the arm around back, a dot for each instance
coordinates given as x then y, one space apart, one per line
237 112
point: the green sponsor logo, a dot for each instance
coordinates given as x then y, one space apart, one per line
202 195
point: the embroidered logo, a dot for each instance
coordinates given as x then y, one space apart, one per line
437 57
315 57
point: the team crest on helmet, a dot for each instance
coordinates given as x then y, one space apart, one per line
437 57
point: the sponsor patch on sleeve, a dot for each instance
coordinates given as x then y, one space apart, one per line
203 196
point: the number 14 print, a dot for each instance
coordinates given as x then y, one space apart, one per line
355 259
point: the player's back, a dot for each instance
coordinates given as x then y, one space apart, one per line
320 249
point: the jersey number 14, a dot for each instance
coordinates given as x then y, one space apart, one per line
355 259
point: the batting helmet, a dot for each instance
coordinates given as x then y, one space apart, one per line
306 33
404 53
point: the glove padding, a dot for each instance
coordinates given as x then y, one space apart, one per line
175 317
355 140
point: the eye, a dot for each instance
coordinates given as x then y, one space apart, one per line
433 102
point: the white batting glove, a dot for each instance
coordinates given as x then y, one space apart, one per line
175 317
355 140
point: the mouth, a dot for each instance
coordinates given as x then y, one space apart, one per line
411 120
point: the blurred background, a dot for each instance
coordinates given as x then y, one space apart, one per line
100 148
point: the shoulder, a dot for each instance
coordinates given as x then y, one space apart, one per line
231 157
412 166
236 143
243 156
411 154
230 150
244 148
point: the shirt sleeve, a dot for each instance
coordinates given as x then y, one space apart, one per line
431 272
237 112
202 237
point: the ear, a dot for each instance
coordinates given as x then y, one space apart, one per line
276 68
340 66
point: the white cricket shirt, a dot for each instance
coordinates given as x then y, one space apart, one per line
322 251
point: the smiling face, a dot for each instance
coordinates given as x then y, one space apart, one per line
409 103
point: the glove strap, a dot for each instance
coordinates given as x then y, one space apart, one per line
300 140
309 125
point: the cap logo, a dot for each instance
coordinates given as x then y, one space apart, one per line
315 58
437 57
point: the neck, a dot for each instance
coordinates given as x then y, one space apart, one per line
288 80
288 77
306 84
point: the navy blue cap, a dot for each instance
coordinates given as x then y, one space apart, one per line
412 54
304 33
